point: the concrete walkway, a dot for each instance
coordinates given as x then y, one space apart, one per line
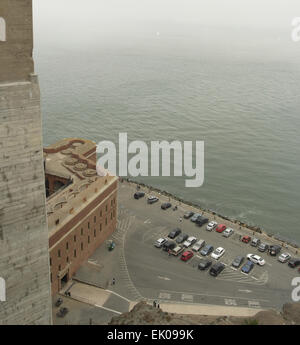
113 302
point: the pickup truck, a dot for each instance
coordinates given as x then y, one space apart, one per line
176 251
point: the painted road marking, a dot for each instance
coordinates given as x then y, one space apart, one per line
186 297
164 278
229 301
164 295
247 291
253 304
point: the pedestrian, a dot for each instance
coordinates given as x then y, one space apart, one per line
180 219
157 305
154 304
113 281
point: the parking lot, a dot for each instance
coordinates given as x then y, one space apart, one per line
156 275
143 271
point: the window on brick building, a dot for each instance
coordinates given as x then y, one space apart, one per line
59 267
101 227
50 262
88 225
74 253
100 213
95 219
51 277
67 245
67 259
106 207
88 239
94 233
81 246
111 216
58 253
75 238
81 231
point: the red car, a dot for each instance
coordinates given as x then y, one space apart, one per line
187 255
220 228
246 239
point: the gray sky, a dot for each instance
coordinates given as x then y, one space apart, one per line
57 20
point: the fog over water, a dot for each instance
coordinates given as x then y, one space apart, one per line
223 71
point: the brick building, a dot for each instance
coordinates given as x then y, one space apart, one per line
81 206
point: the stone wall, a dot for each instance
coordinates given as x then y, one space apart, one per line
24 257
16 61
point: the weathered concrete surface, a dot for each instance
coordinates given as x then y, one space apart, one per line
16 61
24 258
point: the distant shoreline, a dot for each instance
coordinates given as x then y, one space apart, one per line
256 229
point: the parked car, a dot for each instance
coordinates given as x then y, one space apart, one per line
284 257
255 242
256 259
211 225
274 250
238 261
174 233
176 251
204 264
263 247
206 250
190 241
181 238
216 269
201 221
188 215
247 268
218 253
138 195
160 242
195 217
246 239
221 228
294 262
187 255
166 205
152 199
169 245
228 232
198 245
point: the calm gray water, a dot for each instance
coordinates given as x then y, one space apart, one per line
243 101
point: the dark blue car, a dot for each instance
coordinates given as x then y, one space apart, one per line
248 267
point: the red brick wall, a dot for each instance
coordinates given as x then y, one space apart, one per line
88 231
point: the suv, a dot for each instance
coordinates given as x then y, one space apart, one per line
201 220
204 264
247 268
255 242
246 239
216 269
284 257
174 233
181 238
169 245
198 245
274 250
236 263
294 262
195 217
263 247
138 195
207 250
166 205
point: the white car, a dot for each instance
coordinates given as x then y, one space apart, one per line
256 259
211 225
159 243
218 253
191 240
284 257
228 232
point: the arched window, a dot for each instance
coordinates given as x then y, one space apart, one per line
2 30
2 290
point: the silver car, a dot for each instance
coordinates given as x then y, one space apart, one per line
284 257
160 242
228 232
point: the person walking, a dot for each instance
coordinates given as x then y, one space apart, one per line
113 281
